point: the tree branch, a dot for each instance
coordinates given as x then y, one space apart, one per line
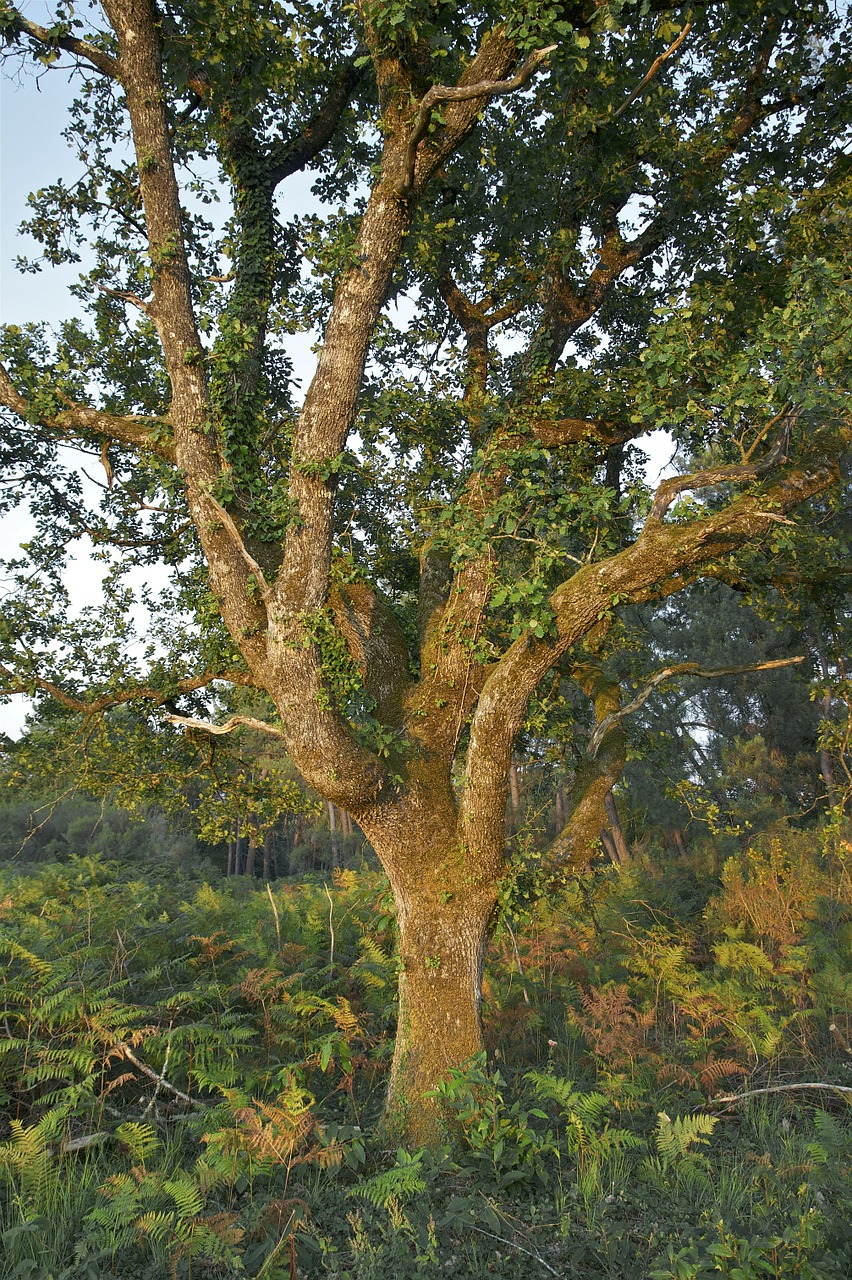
20 685
133 430
235 722
566 307
286 158
670 673
574 430
662 560
122 1050
779 1088
237 540
649 76
461 93
669 489
17 25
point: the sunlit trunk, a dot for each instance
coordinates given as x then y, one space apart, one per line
442 945
445 890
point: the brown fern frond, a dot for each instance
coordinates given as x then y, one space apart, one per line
712 1069
682 1075
221 1225
125 1078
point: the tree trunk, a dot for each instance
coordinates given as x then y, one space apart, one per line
560 808
251 854
441 947
622 852
268 840
332 826
514 791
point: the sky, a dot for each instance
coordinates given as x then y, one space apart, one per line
33 107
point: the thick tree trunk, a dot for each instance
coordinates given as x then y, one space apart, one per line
444 876
442 946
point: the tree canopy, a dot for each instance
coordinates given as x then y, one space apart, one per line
541 231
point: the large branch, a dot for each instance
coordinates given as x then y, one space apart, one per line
462 92
317 737
662 557
140 60
143 434
378 646
286 158
596 776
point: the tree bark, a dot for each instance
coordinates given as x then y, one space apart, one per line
622 852
441 947
332 827
251 854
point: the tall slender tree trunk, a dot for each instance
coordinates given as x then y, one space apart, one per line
622 851
251 855
332 826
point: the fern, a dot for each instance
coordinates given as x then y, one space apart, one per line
140 1140
186 1195
399 1183
674 1138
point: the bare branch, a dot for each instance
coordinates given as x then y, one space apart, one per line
670 673
669 489
235 722
779 1088
123 1050
646 79
125 297
462 93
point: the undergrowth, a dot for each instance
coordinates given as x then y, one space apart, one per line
191 1079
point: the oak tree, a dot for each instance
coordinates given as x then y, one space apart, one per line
540 231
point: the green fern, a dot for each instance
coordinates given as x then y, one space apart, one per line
675 1138
399 1183
140 1140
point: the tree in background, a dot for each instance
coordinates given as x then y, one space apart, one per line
541 232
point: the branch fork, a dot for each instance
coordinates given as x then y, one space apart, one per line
462 93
